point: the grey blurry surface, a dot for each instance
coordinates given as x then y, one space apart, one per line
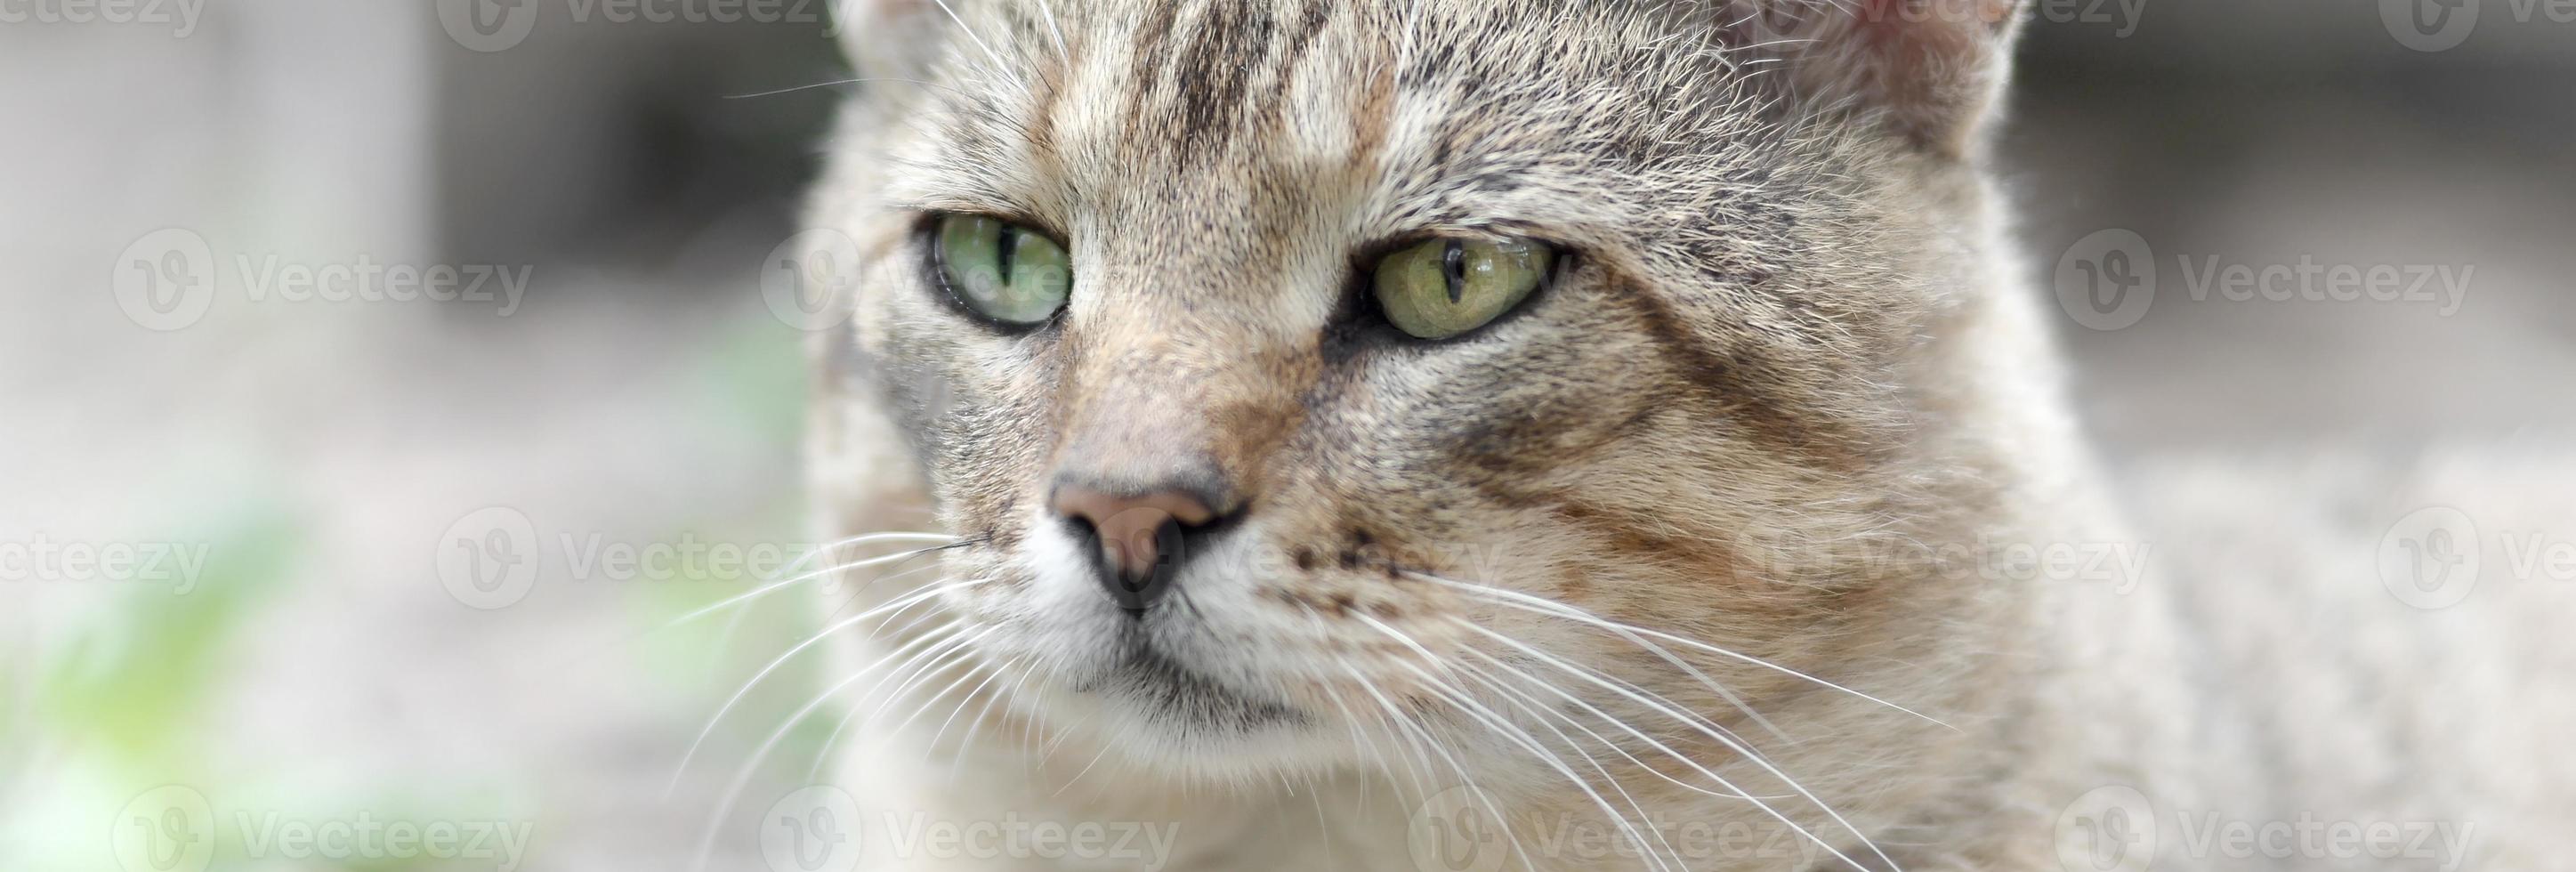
641 388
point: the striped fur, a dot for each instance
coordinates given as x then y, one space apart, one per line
1789 401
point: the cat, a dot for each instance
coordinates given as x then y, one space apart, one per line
1473 434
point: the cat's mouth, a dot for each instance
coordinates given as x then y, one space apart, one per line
1160 686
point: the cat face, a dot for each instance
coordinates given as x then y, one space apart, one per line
1296 372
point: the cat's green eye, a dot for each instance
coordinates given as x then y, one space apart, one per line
1447 287
1003 271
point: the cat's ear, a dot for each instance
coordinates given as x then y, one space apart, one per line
889 39
1929 70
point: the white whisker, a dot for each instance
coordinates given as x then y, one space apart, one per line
1559 609
1508 731
1694 722
873 561
742 777
906 602
1427 741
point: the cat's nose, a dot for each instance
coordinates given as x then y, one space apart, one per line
1140 535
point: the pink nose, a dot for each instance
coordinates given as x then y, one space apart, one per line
1136 534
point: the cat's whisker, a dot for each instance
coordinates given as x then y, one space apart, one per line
992 672
1658 745
1546 606
722 642
1630 635
1703 721
905 602
1545 717
856 600
1424 737
856 80
1696 723
742 777
1000 67
960 653
1351 719
1655 744
1046 10
939 639
1457 696
769 586
1085 770
1018 672
825 752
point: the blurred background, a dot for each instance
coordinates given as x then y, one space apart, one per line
232 577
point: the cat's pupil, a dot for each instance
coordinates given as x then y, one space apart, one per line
1006 249
1453 267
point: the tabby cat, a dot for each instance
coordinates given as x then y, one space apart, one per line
1471 434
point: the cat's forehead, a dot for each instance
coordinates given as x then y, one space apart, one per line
1439 110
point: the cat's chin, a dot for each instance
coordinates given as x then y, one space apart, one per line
1165 718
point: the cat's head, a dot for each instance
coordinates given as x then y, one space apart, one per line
1297 369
